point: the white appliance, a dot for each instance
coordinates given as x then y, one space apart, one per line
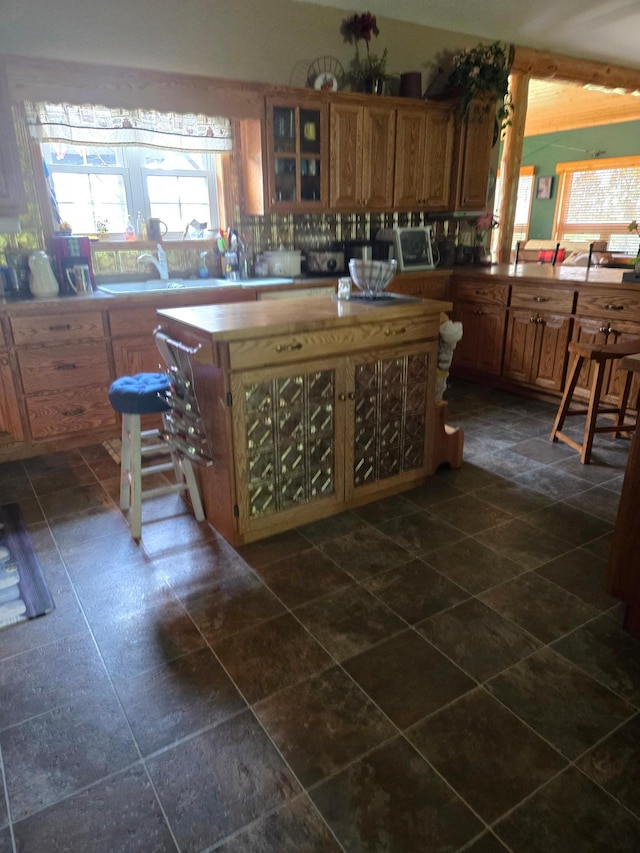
411 247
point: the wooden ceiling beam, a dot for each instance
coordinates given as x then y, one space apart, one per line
542 65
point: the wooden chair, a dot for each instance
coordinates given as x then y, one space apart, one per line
598 355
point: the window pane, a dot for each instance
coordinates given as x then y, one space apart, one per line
176 161
83 199
63 154
179 199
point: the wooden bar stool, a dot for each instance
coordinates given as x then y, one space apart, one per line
134 396
599 355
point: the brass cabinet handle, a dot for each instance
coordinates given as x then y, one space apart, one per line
351 395
288 347
533 319
66 367
399 331
611 307
540 299
342 397
539 319
62 327
68 413
606 329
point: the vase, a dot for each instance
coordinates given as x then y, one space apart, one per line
373 85
481 257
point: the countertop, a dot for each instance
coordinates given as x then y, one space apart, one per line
247 320
548 273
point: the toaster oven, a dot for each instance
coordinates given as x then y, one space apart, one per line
411 247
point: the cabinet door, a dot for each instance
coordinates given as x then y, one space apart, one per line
438 157
378 157
474 156
297 155
410 152
520 346
288 426
11 430
550 360
346 156
12 199
480 348
390 404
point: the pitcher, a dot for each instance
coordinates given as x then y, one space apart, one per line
42 282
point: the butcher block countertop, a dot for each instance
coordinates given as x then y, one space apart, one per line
247 320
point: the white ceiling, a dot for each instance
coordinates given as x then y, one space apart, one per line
603 30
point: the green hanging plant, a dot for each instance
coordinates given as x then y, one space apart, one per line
481 71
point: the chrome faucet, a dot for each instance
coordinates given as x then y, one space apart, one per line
160 263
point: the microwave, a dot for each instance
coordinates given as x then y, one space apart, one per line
411 247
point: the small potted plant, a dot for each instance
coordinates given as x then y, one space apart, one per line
368 74
482 73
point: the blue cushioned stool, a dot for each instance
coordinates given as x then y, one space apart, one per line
134 396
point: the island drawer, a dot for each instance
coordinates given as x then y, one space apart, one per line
57 327
64 368
285 349
136 321
67 411
621 304
475 291
543 298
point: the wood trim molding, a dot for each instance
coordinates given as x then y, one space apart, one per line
599 163
542 65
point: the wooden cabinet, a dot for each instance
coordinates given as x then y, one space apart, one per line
537 336
64 371
11 431
12 200
474 156
424 157
607 316
362 153
480 306
297 154
311 416
426 285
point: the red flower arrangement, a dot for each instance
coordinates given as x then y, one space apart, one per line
364 75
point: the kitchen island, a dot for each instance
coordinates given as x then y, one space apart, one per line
312 407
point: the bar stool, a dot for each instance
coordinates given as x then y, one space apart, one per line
599 355
134 396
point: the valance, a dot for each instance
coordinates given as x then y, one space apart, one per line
91 124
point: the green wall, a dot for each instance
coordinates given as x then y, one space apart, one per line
547 149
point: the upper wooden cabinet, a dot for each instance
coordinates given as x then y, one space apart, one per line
11 185
362 153
475 141
424 157
297 155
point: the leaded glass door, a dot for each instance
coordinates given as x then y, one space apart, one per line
289 426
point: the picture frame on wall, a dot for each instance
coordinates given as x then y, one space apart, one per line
545 186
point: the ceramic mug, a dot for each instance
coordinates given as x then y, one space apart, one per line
156 230
79 279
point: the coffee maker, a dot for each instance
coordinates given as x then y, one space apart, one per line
73 254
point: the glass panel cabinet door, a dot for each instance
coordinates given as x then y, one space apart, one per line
296 137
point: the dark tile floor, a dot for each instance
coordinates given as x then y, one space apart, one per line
441 671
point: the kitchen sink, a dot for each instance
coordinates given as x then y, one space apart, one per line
130 288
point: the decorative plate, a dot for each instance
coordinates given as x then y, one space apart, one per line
325 73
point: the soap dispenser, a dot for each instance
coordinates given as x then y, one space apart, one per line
42 281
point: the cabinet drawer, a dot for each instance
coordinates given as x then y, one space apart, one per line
64 368
542 298
285 349
476 291
623 305
139 321
68 411
57 327
3 341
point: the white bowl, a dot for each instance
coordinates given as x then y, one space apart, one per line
372 277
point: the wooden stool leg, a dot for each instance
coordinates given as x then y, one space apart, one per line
136 477
622 406
592 413
569 388
192 488
125 463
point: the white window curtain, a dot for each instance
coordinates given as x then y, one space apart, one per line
90 124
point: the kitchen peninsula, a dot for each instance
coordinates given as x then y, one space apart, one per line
310 412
